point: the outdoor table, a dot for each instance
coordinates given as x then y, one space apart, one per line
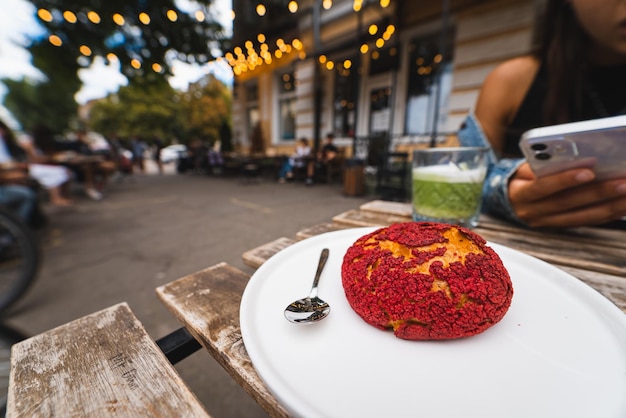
207 302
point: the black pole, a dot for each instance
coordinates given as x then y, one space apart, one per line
442 50
317 77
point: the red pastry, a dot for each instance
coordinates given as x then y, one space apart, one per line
426 281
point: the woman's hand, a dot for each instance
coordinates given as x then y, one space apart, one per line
566 199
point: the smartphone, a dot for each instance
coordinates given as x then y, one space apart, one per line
598 144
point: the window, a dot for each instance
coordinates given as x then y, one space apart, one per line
287 103
383 60
430 82
252 107
344 101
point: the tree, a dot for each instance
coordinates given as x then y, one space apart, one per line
49 102
206 110
143 35
146 108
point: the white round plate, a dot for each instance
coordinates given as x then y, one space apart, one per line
560 351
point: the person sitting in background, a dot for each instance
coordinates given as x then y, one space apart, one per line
296 160
54 178
576 72
324 156
18 191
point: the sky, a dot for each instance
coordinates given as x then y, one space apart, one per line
18 22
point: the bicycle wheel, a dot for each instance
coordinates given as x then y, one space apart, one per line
19 259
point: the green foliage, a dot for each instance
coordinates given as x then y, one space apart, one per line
145 108
49 102
170 31
206 109
149 107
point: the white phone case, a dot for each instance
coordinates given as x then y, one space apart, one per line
599 144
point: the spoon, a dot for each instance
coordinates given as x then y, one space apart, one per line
310 309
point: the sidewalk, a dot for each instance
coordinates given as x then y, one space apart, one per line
151 229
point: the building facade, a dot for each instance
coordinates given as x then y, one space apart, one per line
379 74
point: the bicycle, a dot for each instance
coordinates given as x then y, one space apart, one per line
20 258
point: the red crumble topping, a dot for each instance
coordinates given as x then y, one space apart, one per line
426 281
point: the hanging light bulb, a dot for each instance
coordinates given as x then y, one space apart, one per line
118 19
144 18
85 50
327 4
55 40
93 17
172 15
69 16
44 15
293 6
260 9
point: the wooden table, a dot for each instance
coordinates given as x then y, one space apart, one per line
207 302
105 364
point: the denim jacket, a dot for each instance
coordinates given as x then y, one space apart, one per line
496 187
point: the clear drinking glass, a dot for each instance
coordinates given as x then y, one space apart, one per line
447 184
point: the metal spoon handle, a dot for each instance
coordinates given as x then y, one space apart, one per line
318 273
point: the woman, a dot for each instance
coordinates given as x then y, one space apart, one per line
576 72
296 160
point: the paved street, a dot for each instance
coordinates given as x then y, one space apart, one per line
151 229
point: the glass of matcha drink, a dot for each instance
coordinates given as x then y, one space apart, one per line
447 184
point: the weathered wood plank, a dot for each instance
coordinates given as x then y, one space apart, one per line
257 256
357 218
207 304
101 365
318 229
386 207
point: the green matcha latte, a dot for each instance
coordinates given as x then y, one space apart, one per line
446 193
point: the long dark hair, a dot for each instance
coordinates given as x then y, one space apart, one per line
560 44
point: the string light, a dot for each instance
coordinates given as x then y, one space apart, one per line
261 38
135 63
347 64
112 57
93 17
55 40
118 19
357 5
156 67
260 9
364 48
322 59
327 4
172 15
373 29
144 18
200 17
85 50
384 3
330 65
44 15
69 16
293 6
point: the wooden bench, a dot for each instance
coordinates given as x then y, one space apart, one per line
101 365
207 304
